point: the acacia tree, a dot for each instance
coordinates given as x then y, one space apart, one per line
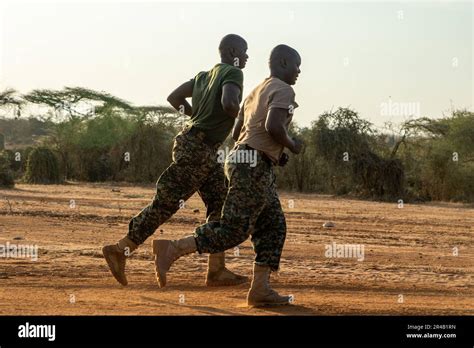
73 105
9 98
90 123
70 99
157 114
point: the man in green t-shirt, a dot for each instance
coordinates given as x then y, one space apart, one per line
216 95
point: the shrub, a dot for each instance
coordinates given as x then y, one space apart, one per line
6 175
42 167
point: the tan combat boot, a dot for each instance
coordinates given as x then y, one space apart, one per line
168 251
260 293
219 275
116 256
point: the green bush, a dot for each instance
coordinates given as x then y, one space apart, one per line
149 148
42 167
439 157
6 175
25 153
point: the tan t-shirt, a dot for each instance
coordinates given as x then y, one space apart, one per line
271 93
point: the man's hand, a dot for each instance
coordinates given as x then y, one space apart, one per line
275 125
297 146
283 159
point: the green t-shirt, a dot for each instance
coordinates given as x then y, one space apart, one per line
208 114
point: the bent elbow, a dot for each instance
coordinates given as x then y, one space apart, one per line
230 108
271 129
170 98
275 131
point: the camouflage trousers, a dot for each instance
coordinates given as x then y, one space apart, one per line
194 168
251 207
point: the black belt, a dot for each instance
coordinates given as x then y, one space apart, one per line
203 136
262 154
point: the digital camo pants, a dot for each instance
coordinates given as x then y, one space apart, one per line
194 168
251 207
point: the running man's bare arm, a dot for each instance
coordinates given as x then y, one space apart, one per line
230 99
237 128
177 98
275 126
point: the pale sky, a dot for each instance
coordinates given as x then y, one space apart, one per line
353 53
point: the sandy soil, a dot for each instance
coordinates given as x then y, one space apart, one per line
410 264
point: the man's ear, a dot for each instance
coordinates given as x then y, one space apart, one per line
283 63
232 52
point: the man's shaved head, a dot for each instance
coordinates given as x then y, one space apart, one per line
233 50
282 51
231 40
284 63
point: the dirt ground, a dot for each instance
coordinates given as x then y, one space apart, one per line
418 259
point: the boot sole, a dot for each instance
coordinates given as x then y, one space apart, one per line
214 283
117 276
267 304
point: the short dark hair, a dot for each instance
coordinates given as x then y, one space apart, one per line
229 41
282 51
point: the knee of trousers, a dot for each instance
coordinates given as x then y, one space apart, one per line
222 239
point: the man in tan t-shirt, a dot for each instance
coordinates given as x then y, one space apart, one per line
252 206
272 93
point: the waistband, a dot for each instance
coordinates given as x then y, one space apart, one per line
200 134
265 158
